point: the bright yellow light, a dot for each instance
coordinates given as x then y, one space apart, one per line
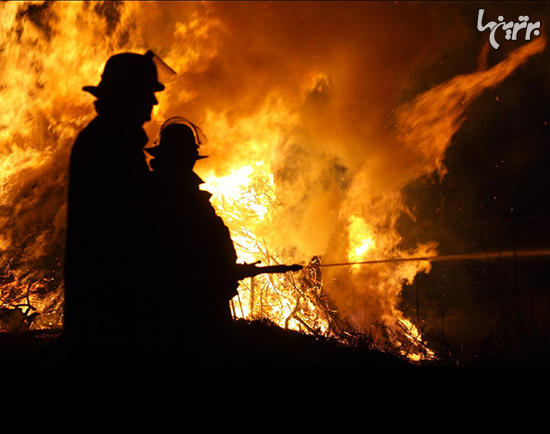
361 239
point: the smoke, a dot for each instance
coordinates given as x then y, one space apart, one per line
322 81
317 91
329 73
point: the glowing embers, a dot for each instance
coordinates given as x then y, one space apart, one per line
413 347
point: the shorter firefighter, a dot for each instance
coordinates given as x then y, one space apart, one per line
199 274
200 271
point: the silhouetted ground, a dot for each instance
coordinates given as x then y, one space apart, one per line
253 344
31 348
262 344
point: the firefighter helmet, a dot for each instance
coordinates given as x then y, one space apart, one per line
127 72
178 135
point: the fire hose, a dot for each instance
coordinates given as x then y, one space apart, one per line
254 270
458 257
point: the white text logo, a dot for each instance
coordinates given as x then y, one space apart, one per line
512 29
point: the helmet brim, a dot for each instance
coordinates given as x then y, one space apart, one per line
98 91
158 151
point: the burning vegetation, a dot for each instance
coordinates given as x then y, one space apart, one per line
310 148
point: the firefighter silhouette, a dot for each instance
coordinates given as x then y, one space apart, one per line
199 272
108 251
200 263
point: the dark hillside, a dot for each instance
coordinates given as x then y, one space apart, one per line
253 344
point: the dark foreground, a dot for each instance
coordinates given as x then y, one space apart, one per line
254 344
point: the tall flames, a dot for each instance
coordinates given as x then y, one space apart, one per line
309 148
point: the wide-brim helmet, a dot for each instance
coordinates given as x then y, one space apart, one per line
127 73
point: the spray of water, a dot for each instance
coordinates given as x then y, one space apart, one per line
458 257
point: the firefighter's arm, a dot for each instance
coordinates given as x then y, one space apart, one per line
251 270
